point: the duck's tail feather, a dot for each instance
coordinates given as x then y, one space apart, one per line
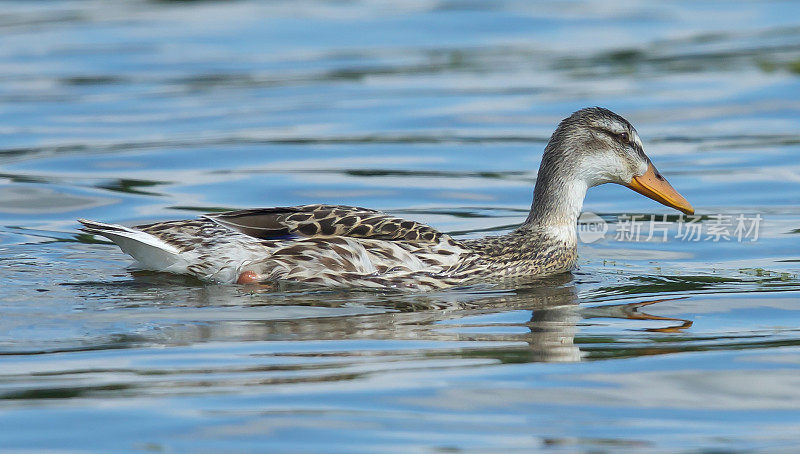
151 252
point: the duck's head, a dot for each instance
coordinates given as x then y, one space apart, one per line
595 146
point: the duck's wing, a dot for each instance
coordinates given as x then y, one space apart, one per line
320 221
342 246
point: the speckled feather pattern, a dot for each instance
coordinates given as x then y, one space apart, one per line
339 246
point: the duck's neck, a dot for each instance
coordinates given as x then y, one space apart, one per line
557 203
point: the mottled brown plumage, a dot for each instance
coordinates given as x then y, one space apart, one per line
340 246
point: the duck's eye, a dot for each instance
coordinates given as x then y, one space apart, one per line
624 137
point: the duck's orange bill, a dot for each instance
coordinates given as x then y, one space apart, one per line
653 185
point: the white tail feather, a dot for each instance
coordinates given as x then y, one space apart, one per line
149 251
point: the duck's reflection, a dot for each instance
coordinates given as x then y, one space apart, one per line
534 323
553 327
537 323
631 311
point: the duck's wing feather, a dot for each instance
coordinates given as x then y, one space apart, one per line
319 221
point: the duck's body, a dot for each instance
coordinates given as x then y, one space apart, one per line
336 246
340 246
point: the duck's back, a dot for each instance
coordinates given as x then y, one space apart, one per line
318 244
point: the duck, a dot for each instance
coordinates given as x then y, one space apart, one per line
352 247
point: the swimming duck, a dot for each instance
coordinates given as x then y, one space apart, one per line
342 246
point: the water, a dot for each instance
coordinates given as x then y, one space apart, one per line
434 110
